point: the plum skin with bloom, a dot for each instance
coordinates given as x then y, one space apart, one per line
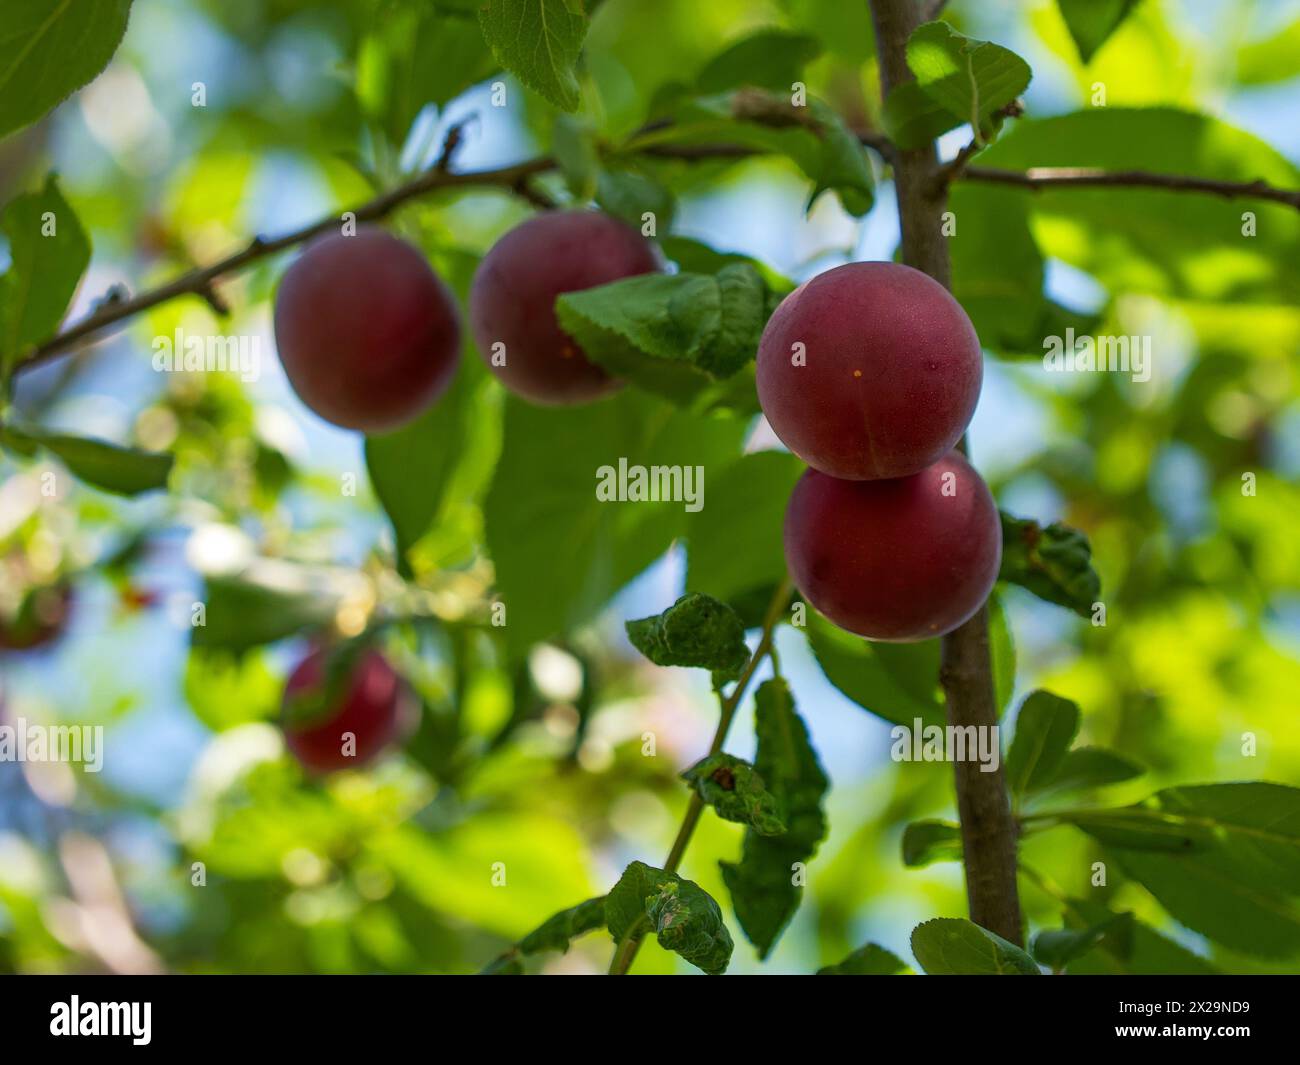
512 300
372 702
889 376
895 560
369 336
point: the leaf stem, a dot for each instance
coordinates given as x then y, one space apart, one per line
631 941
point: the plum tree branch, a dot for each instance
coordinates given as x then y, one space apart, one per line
199 281
1048 177
631 943
517 179
988 829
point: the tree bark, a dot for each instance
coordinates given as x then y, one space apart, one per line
988 830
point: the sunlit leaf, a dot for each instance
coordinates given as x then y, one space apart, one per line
1092 21
949 946
48 251
50 49
926 842
538 41
1224 859
1045 727
870 960
898 682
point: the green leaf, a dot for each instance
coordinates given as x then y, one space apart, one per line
913 119
766 884
630 194
843 166
45 268
968 78
997 268
51 48
870 960
771 59
1002 653
1170 243
1270 59
242 613
1090 22
1092 767
840 27
1057 947
121 470
683 916
694 256
898 682
1141 951
814 137
707 322
949 946
1224 859
555 933
734 549
737 793
412 468
544 853
696 631
417 55
1045 728
225 690
539 42
1053 562
573 143
560 552
927 842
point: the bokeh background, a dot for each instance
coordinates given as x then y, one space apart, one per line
540 767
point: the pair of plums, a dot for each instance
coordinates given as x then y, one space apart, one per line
370 336
868 372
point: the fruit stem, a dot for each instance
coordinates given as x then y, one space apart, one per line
631 941
988 830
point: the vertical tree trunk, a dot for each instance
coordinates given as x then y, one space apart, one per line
988 831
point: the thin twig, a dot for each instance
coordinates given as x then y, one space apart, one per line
198 281
1050 177
518 179
954 168
451 143
631 942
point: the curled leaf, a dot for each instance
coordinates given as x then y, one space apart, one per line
1054 562
683 916
697 630
737 793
